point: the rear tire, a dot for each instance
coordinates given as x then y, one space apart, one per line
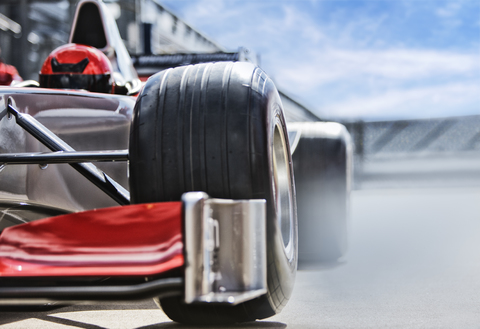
322 165
219 128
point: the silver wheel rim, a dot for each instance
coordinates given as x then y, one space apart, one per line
283 189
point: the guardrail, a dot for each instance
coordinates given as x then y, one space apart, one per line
417 153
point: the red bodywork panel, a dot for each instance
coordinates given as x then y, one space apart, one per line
144 239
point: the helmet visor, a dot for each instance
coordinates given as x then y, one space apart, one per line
101 83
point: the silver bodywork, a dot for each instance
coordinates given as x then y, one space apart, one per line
86 122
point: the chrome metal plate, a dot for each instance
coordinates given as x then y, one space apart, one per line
225 246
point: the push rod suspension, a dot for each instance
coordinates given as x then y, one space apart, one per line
166 287
113 189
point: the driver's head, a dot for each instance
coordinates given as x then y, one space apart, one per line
74 66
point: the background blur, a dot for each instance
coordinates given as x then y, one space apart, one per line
403 75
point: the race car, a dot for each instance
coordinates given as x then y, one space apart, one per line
193 196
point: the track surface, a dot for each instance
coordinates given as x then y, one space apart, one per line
414 262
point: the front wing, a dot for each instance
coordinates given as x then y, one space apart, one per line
208 250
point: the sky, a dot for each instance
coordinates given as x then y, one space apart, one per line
356 59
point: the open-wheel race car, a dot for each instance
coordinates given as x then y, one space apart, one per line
193 196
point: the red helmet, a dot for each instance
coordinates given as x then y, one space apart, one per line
74 66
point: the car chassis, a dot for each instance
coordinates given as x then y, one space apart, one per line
210 274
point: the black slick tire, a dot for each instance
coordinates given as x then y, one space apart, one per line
219 128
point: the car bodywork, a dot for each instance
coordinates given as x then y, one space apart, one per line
131 242
90 249
86 247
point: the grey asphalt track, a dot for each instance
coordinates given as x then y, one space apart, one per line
414 262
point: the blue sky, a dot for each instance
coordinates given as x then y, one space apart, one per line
368 59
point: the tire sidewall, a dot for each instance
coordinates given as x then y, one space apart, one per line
282 266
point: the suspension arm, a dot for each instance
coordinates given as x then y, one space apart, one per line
54 143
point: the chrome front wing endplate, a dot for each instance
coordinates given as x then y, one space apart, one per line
225 249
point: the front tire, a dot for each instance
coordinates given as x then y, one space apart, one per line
219 128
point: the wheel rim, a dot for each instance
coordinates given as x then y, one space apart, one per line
283 189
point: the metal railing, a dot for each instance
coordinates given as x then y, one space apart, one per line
426 152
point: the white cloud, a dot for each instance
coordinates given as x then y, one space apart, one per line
252 23
412 103
330 65
386 84
450 9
